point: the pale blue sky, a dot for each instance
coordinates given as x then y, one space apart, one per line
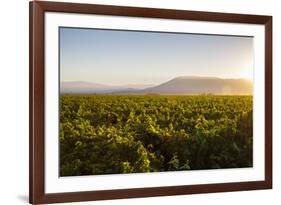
129 57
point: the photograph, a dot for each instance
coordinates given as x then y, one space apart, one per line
135 101
139 101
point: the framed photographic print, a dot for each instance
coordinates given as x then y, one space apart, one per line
139 102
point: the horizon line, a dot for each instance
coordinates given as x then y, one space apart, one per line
188 76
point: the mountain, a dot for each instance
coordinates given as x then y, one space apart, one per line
81 87
185 85
203 85
89 87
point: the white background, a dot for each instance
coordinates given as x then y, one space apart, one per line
14 101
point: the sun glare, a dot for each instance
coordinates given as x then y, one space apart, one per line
247 74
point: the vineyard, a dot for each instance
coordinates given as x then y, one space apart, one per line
111 134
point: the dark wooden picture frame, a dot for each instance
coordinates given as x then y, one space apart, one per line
37 194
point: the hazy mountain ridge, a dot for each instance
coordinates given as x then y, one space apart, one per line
89 87
203 85
183 85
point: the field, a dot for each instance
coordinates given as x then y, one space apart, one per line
110 134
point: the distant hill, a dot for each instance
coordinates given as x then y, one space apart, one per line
89 87
81 87
203 85
185 85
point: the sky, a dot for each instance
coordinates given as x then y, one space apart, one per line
115 57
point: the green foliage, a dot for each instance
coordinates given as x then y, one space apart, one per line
109 134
